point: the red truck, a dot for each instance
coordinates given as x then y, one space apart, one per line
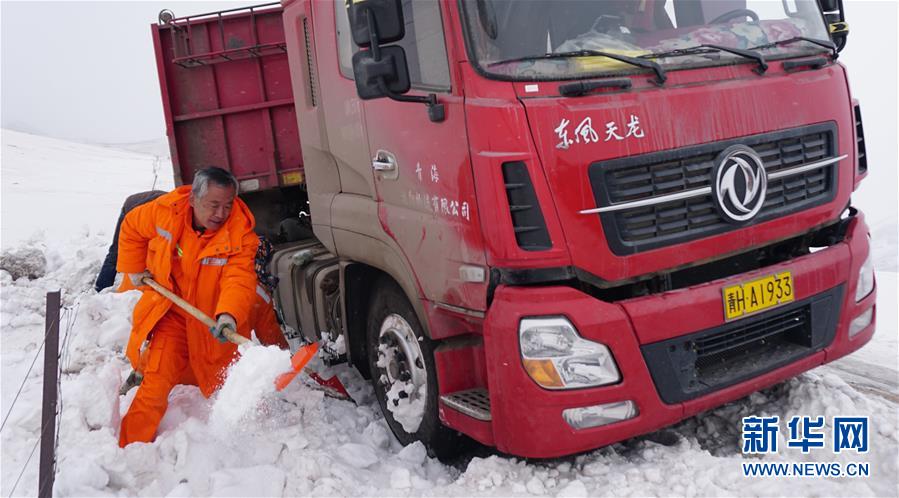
546 226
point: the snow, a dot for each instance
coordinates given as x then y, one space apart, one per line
333 348
405 400
56 183
357 455
299 442
406 404
250 381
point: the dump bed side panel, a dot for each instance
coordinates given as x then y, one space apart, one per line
227 96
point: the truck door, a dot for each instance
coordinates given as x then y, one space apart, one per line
329 112
422 170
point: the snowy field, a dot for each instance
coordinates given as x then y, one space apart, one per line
299 443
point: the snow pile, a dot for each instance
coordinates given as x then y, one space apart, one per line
93 331
24 262
250 381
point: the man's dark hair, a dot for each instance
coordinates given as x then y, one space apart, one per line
214 175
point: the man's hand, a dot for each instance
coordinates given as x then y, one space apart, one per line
224 321
137 278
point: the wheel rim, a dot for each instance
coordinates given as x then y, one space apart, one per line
402 372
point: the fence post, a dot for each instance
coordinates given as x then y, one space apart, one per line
48 414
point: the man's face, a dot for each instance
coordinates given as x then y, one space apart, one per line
212 210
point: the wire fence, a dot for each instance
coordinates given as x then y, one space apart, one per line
68 317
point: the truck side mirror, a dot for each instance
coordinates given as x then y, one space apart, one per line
387 16
381 77
382 71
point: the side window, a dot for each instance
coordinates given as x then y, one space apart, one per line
424 44
345 46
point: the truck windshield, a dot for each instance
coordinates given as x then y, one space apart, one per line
551 39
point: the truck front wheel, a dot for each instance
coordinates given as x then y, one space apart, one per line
401 361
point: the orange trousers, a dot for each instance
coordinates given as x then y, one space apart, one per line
167 364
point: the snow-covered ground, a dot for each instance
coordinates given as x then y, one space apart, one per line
301 443
68 189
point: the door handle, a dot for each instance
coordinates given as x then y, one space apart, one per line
384 163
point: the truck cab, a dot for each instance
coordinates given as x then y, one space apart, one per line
546 226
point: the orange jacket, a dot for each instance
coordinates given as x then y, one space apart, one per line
224 282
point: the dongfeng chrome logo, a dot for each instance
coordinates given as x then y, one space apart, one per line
740 184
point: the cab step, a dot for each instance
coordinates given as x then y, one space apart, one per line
472 402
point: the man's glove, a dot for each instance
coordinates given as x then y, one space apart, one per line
136 278
224 321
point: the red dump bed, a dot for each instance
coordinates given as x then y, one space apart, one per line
227 97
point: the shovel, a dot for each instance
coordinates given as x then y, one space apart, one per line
333 387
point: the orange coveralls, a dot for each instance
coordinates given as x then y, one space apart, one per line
212 271
264 322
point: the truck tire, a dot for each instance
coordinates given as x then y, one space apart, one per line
404 376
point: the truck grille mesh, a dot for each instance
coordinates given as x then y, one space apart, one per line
689 366
644 177
750 343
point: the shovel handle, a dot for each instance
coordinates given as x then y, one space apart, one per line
231 335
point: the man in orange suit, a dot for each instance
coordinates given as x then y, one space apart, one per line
197 241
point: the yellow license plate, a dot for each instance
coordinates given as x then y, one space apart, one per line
757 295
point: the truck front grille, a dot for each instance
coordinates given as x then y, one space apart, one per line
689 366
649 176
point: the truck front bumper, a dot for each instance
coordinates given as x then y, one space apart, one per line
527 419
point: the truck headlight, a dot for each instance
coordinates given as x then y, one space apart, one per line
865 279
556 357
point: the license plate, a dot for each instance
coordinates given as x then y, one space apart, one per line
748 298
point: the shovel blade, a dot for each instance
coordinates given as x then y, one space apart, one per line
299 360
332 383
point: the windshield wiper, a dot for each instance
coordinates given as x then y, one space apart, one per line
707 48
821 43
697 50
661 77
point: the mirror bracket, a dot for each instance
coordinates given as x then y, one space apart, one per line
835 18
436 110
